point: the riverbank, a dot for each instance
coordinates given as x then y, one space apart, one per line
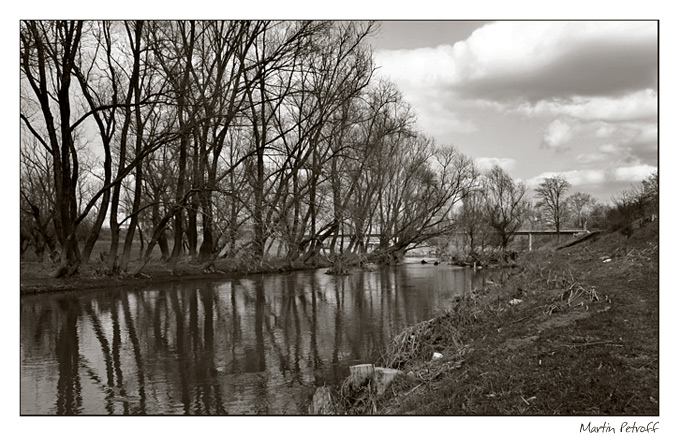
35 276
571 332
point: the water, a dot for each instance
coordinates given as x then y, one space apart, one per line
256 345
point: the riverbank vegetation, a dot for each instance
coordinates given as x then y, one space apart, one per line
571 332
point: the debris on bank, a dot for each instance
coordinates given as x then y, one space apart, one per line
423 340
363 374
362 386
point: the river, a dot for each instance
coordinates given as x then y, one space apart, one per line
255 345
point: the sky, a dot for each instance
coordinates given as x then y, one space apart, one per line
539 98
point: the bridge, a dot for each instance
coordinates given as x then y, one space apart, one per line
532 232
528 232
519 232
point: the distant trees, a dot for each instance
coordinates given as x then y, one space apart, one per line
647 194
504 203
472 221
551 194
640 202
494 207
581 205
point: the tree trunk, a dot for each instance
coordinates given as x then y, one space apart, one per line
179 219
162 238
139 129
192 226
97 226
258 213
134 220
207 246
182 90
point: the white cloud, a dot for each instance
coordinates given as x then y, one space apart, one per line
632 174
626 139
605 131
439 126
646 132
609 148
423 66
587 86
557 135
627 142
436 118
613 154
507 164
590 158
574 72
537 60
633 106
574 177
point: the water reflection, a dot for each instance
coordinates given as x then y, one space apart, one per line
69 399
256 345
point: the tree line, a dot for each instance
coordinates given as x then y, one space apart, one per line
244 139
497 207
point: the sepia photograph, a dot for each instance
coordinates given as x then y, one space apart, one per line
341 217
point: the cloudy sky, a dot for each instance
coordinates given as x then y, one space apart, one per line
577 98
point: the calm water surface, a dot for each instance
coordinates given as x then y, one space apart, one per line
256 345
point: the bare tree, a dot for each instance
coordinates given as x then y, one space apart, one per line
173 45
504 203
102 108
372 165
333 72
49 51
274 53
429 189
581 204
472 220
551 193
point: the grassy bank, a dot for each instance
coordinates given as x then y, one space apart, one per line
570 332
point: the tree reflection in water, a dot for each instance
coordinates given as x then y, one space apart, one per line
256 345
69 398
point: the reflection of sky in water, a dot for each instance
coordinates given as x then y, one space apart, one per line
257 345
